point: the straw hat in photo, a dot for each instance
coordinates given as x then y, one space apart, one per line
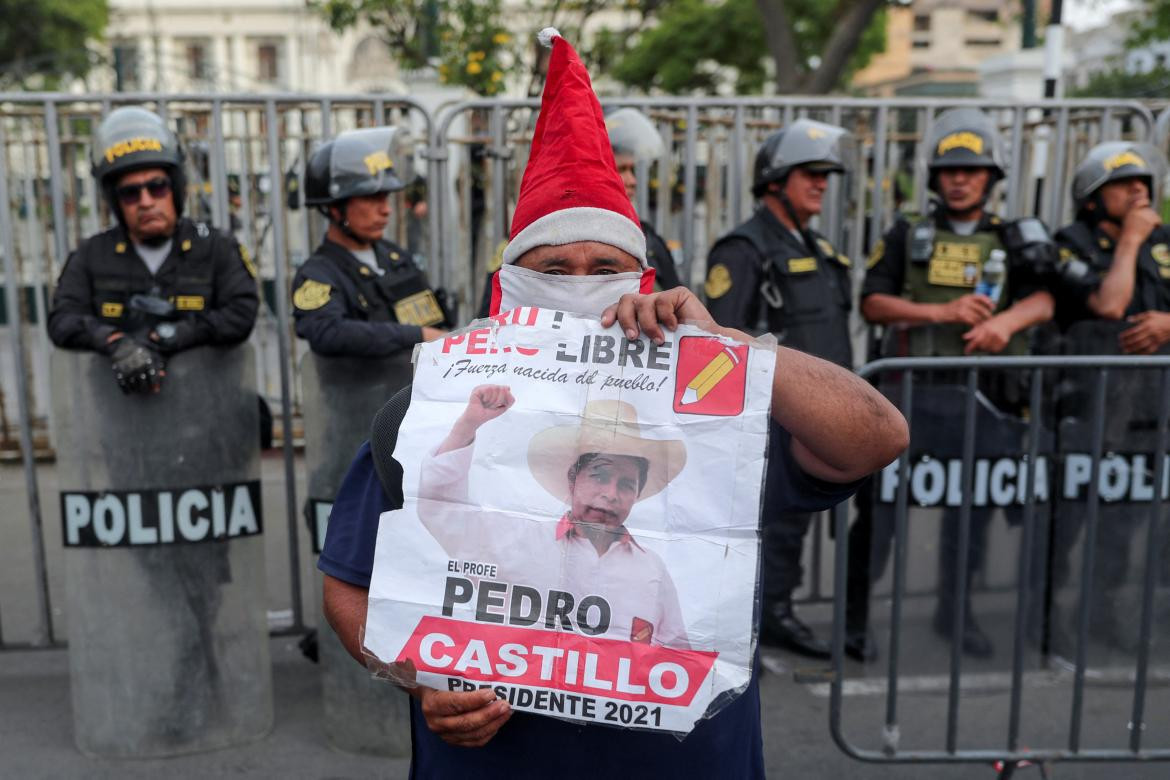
606 427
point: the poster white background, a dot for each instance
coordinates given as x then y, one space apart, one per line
703 525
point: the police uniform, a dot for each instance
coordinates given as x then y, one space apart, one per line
660 259
207 277
1086 255
343 307
942 272
949 270
763 277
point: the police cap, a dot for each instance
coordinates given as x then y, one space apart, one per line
803 143
357 163
964 138
1116 160
632 133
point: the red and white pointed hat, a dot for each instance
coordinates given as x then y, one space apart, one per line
571 189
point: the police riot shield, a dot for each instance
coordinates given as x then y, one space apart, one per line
165 584
341 396
1126 481
999 485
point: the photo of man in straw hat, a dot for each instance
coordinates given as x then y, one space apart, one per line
599 466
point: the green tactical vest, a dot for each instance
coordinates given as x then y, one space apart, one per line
952 272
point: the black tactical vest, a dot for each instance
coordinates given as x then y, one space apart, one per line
805 290
186 278
401 294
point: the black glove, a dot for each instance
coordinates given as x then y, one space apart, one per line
138 368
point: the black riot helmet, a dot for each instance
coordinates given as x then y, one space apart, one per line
804 143
357 163
130 139
1113 161
964 138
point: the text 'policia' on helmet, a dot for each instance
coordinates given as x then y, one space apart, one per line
826 147
1115 160
964 138
357 163
130 139
632 133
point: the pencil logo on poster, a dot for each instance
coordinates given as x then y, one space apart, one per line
711 377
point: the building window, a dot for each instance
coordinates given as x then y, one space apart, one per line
198 64
922 43
991 16
983 42
268 62
126 66
921 22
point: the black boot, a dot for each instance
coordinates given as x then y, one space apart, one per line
861 645
780 627
975 643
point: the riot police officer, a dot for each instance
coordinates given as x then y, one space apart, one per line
634 140
360 294
774 273
1114 257
156 283
923 273
1113 298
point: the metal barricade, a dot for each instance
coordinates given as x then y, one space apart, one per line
1072 482
49 202
701 185
474 153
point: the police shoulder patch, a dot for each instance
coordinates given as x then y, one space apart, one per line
718 281
248 264
498 258
1161 254
876 254
311 295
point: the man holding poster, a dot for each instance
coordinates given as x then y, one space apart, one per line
484 656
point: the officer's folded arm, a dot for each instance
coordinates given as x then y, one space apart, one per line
842 428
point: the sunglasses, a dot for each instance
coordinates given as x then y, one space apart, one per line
129 194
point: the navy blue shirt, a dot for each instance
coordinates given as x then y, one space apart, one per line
728 745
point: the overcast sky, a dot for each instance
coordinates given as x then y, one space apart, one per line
1080 14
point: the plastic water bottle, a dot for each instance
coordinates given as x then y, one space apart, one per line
991 277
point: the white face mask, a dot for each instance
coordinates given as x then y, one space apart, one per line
513 286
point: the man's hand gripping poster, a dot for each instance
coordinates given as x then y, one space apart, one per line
580 528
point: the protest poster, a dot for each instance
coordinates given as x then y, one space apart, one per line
580 527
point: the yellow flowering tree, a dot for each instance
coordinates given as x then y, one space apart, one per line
465 39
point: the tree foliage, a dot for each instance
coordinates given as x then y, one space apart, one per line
814 45
468 40
1150 26
1119 83
43 42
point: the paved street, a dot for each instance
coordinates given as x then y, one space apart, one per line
36 726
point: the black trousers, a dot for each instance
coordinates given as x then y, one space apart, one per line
781 549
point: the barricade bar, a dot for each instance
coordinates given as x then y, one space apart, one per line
1103 372
1025 594
902 499
1137 722
1089 558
